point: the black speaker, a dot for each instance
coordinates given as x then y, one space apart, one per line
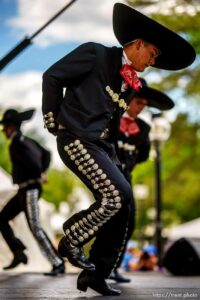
182 258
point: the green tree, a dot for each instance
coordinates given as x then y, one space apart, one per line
4 154
59 186
179 172
181 169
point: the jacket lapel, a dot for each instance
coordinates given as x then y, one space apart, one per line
115 59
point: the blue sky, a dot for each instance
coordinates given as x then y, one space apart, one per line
46 47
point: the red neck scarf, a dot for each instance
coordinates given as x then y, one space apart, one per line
128 126
130 77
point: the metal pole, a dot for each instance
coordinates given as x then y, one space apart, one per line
28 40
158 202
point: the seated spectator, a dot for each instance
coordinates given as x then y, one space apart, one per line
146 262
152 251
130 257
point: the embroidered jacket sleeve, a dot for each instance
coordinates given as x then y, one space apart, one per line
68 71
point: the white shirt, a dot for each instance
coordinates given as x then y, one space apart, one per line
126 115
125 59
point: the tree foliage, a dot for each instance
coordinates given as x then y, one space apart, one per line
59 186
181 153
4 154
179 173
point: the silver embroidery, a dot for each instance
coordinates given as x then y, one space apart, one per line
110 203
33 217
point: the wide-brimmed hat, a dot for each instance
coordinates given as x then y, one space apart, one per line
129 25
12 116
154 97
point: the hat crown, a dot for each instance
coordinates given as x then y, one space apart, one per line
10 113
11 116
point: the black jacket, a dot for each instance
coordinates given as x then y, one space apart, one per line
29 159
86 109
134 149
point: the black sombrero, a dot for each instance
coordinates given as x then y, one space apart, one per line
154 97
12 116
129 24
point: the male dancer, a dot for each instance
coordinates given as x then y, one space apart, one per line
29 162
99 82
134 145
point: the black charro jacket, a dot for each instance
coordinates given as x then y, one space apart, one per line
29 159
134 149
86 109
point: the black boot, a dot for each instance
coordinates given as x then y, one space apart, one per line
56 270
118 277
19 257
97 283
74 254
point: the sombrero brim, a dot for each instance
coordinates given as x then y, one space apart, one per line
155 98
129 24
26 115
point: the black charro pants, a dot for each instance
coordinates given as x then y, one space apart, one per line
106 219
26 200
131 221
130 230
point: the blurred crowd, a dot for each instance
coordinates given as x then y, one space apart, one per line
139 258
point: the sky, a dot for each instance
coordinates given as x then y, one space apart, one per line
21 79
